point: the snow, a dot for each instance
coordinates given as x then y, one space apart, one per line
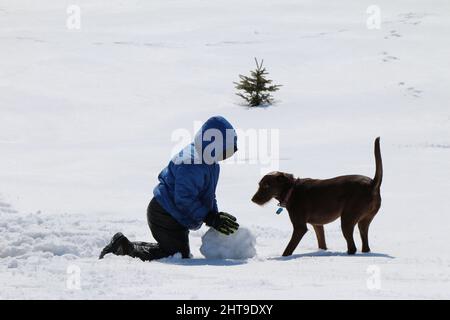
239 245
13 264
87 118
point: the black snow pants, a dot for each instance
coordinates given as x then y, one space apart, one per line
170 235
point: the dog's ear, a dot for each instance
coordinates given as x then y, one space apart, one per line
283 177
289 176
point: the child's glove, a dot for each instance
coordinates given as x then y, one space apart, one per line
223 222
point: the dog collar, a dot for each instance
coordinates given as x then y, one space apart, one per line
284 202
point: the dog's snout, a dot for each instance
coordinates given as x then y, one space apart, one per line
255 197
261 197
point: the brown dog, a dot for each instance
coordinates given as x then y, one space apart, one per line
354 198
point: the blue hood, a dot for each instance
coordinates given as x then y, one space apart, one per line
187 186
216 140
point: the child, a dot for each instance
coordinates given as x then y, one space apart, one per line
185 196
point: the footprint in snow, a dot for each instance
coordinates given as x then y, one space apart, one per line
411 18
393 34
411 91
386 57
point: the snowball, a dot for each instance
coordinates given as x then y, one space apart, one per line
239 245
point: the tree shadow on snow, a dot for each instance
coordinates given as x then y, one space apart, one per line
323 253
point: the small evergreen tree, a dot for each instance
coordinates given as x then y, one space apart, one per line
256 89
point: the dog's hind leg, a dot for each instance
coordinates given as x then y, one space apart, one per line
297 235
363 226
347 227
320 234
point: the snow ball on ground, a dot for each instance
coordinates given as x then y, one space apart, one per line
240 245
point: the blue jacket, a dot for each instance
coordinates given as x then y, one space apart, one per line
187 186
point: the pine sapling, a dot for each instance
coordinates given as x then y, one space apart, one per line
256 89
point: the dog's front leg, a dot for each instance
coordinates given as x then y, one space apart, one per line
297 235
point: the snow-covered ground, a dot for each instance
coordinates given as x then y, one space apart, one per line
87 116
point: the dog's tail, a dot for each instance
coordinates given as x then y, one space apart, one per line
379 166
